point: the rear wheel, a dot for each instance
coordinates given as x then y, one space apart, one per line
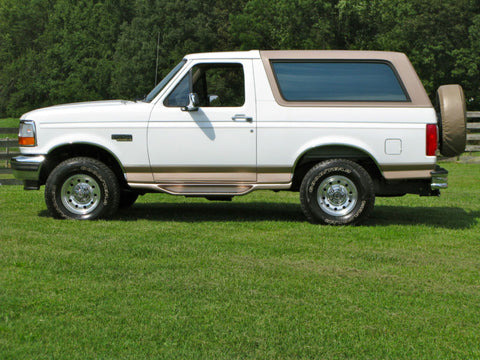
82 188
337 192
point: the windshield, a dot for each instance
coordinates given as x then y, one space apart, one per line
164 82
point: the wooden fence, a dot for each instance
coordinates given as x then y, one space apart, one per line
473 131
8 149
10 144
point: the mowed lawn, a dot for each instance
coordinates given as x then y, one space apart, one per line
176 278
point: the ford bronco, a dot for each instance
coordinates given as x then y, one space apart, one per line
339 127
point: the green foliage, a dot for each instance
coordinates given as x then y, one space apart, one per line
284 24
55 51
179 28
79 46
21 24
62 51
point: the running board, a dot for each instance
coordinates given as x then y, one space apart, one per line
208 189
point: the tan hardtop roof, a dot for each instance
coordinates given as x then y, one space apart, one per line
409 78
331 54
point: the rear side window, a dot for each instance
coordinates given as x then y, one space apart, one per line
338 81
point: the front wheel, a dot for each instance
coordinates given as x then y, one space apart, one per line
337 192
82 189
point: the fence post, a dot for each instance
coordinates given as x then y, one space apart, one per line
8 143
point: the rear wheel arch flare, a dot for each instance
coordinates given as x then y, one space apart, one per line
314 155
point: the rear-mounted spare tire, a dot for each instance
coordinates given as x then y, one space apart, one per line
453 134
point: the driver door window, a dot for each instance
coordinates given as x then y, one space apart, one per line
217 85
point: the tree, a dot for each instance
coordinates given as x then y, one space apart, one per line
79 44
55 51
184 27
284 24
21 24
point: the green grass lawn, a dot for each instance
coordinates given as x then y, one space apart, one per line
9 122
191 279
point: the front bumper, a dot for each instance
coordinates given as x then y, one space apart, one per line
27 168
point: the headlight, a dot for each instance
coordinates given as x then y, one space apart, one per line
26 133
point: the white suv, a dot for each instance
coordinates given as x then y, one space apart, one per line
340 127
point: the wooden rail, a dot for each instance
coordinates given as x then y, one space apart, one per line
8 143
11 144
473 131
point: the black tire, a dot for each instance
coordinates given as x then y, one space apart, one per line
127 198
82 189
337 192
453 120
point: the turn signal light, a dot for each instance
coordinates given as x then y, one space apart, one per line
26 133
432 139
26 141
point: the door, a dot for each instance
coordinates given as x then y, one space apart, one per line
214 140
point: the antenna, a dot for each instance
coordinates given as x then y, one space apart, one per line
156 63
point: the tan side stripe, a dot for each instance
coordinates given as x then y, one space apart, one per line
396 172
418 174
274 178
209 177
407 167
139 177
267 175
205 176
182 174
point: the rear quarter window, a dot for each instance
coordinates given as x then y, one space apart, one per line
338 81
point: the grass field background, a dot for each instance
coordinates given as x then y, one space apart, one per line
189 279
9 122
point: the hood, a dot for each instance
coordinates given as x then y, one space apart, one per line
87 111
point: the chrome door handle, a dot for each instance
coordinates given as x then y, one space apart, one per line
241 117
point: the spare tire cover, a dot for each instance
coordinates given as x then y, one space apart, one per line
453 118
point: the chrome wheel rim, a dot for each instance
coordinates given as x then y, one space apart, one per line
80 194
337 195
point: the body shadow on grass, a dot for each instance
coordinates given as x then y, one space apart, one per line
215 211
442 217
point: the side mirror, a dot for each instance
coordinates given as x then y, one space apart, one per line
193 102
